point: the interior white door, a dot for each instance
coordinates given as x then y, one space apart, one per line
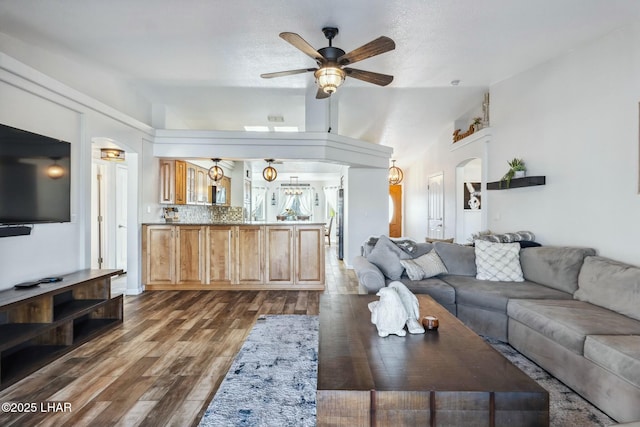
435 187
121 217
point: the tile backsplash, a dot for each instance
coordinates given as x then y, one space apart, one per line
208 213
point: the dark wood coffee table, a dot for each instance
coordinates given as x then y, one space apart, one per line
447 378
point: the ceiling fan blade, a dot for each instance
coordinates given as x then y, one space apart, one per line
286 73
320 94
302 44
376 47
369 76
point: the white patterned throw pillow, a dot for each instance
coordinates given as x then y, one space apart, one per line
498 261
425 266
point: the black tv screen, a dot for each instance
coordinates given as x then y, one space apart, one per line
35 181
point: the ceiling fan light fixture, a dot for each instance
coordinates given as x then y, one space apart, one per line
215 172
329 78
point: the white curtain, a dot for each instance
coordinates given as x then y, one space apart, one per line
331 196
306 202
283 202
259 197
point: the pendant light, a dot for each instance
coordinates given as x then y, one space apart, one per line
215 172
395 174
269 173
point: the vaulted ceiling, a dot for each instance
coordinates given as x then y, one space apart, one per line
201 60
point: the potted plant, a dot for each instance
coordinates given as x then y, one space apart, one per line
517 169
477 123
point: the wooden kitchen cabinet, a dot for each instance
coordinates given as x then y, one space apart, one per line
173 182
250 258
190 250
173 255
309 255
233 257
159 255
183 183
279 251
220 253
167 181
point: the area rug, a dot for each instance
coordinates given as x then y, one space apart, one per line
273 379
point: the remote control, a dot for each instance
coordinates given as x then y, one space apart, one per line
51 279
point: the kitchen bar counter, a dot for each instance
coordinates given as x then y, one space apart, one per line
283 255
237 223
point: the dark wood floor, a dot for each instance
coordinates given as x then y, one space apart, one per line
166 361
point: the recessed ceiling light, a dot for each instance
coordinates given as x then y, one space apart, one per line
256 128
285 128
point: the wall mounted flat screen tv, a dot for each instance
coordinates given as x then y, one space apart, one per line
35 181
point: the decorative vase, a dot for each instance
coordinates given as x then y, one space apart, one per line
519 174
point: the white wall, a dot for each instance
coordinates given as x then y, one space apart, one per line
441 156
35 102
366 208
574 120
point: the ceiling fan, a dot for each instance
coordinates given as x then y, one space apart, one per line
332 62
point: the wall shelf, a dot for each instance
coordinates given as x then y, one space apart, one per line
527 181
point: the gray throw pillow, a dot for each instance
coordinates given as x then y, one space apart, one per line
459 260
424 267
386 256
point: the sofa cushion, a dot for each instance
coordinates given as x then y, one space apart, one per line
554 266
386 256
425 266
439 290
610 284
498 261
495 295
569 322
619 354
459 260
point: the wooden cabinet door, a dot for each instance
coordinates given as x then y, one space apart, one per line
190 265
220 254
192 187
202 188
250 255
181 182
309 255
167 181
279 251
158 247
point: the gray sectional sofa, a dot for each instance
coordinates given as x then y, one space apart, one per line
576 315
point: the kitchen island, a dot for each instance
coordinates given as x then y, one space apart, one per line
287 255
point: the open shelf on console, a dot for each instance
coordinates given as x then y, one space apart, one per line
42 323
